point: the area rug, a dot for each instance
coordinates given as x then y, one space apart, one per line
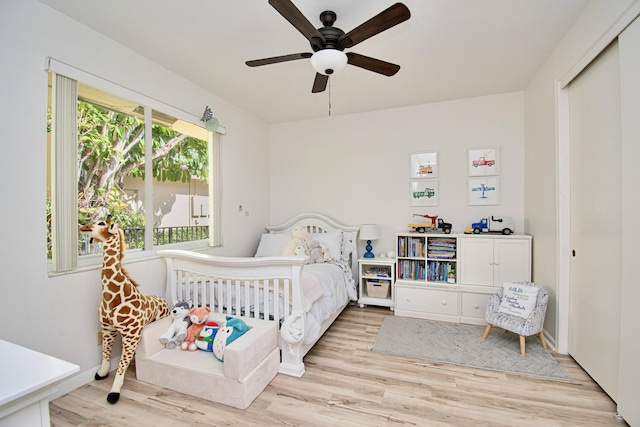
461 344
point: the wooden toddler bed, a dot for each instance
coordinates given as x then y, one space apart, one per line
303 299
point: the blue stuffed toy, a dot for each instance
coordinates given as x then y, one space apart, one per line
204 339
232 329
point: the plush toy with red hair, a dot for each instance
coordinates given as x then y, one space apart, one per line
198 317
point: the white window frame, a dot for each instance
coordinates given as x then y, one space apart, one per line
64 208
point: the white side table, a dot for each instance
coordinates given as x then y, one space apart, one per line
27 379
377 279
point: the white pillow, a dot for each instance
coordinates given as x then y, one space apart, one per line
332 240
272 244
518 299
348 247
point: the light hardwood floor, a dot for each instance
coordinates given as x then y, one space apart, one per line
346 384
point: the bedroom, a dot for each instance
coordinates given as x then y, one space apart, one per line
529 132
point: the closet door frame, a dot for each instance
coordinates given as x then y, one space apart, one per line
564 172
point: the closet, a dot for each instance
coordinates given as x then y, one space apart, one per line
596 228
604 115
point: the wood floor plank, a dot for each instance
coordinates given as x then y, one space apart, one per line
347 384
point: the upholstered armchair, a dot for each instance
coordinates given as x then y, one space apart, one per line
511 319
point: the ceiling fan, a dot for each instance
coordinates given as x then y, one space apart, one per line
329 42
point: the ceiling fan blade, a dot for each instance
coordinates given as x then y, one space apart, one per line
383 21
372 64
276 59
291 13
320 83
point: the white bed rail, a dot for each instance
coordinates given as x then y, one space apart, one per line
266 287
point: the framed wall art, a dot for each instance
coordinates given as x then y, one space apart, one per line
483 162
424 192
424 165
483 191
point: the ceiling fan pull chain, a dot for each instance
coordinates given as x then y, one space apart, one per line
329 97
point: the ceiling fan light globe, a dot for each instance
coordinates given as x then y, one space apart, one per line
328 61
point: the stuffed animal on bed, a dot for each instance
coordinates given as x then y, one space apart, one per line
232 329
299 237
204 340
177 331
315 251
326 255
198 316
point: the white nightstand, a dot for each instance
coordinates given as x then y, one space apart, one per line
377 278
28 381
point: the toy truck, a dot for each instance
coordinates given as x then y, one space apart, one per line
504 225
482 161
428 192
425 169
435 224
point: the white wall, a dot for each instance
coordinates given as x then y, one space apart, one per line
542 170
355 168
58 315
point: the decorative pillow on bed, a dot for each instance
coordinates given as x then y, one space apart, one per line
332 240
348 247
272 244
518 299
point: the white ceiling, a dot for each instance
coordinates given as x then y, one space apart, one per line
449 49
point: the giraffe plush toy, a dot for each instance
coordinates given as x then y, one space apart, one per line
124 308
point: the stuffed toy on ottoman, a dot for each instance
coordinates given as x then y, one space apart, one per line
177 331
232 329
204 340
198 316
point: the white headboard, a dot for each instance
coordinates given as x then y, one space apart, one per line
317 223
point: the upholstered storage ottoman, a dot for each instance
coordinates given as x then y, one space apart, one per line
250 363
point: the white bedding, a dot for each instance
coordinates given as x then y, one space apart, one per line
338 287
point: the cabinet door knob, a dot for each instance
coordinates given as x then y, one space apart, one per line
444 303
476 306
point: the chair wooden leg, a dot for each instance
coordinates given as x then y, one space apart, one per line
486 331
522 343
544 343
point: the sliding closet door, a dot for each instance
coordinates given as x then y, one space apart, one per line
629 389
594 318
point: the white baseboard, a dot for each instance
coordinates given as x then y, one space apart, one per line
551 342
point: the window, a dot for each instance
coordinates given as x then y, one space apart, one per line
160 193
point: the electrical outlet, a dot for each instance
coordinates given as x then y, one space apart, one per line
99 338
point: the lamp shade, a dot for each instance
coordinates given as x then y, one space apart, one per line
328 61
369 232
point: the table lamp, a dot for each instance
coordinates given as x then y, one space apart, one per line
369 232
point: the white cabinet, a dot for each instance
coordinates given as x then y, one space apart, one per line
451 277
473 307
427 258
436 303
490 261
377 276
426 284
